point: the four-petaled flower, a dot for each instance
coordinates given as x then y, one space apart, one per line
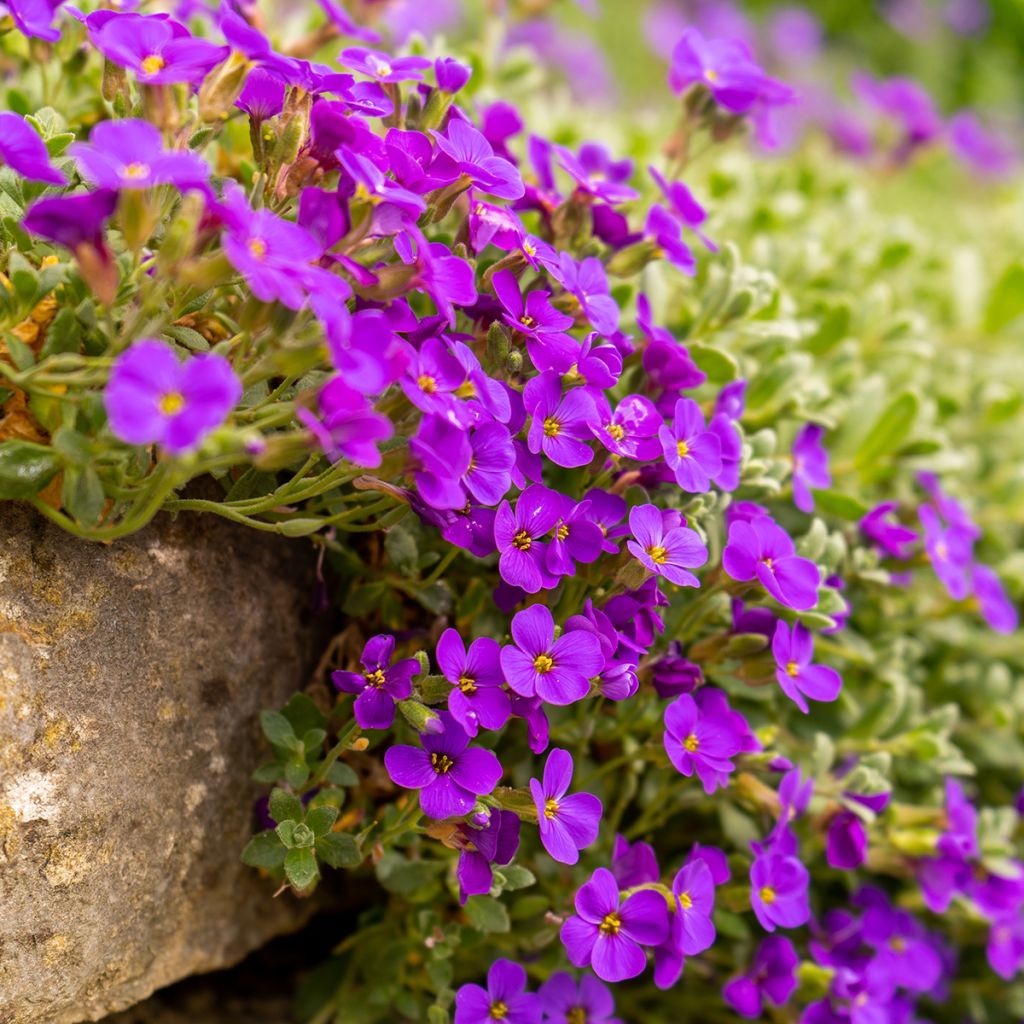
477 698
760 550
567 824
505 998
693 453
380 684
702 742
799 679
664 545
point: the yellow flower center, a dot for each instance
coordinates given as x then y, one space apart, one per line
153 63
426 383
375 678
562 532
522 541
659 555
543 663
529 248
552 428
767 895
616 431
467 389
792 669
467 684
172 403
611 924
576 1015
441 763
691 743
897 944
685 900
136 171
382 68
550 809
941 551
683 448
711 74
527 321
258 248
766 562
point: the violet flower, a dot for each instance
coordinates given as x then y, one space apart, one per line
949 549
771 978
468 153
504 999
846 841
544 326
608 936
451 75
630 431
350 427
558 424
722 66
1005 949
693 453
799 679
34 18
22 149
477 698
157 49
684 207
779 890
262 96
763 551
558 671
701 741
996 607
982 150
633 864
449 774
382 67
442 454
517 535
892 538
587 282
576 538
567 824
665 548
691 930
153 397
810 466
380 684
490 469
494 843
565 1002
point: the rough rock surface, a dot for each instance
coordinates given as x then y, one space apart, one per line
131 679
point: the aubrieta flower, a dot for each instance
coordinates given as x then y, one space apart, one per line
158 49
504 999
587 283
693 453
664 546
564 1002
684 207
630 431
567 824
722 66
469 154
702 741
382 67
477 698
778 889
609 936
904 956
518 534
380 684
691 930
810 466
575 538
449 774
348 427
846 841
558 424
798 678
22 149
771 978
130 154
493 843
949 549
153 397
633 864
558 671
1005 949
995 604
762 550
544 326
892 538
262 96
34 18
984 151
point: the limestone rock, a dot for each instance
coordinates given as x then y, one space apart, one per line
131 679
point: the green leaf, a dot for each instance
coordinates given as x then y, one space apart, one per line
341 774
339 850
320 819
843 506
188 337
400 545
26 468
718 365
296 773
487 914
299 527
82 494
517 877
278 729
302 712
264 850
889 430
285 806
1006 301
300 868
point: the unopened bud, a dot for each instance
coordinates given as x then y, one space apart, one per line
420 717
220 89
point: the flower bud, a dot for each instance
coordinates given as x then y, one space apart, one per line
222 87
420 717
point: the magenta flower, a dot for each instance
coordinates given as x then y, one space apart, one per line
588 284
380 684
949 548
693 453
664 231
382 67
810 466
490 469
691 930
544 326
72 221
684 207
591 176
608 936
576 538
892 538
799 679
563 1002
567 824
517 535
702 741
558 671
24 151
665 547
262 96
1005 948
494 843
630 431
449 774
771 978
558 424
779 891
34 18
158 49
468 153
984 151
154 398
846 842
633 864
477 698
722 66
996 607
443 455
130 154
760 550
350 427
504 999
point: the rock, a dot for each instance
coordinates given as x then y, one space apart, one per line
131 679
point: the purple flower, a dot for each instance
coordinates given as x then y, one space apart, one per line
684 207
468 153
576 538
664 546
490 469
451 75
380 684
690 930
592 176
904 101
779 890
949 550
630 430
997 608
517 536
609 937
664 231
633 864
588 284
982 150
448 772
1006 945
904 956
72 221
701 741
558 425
565 1003
350 427
799 679
810 466
673 674
723 66
154 398
558 671
477 698
763 551
504 999
158 49
544 326
130 154
846 842
771 978
494 843
34 18
567 824
693 453
262 96
443 455
892 538
24 151
382 67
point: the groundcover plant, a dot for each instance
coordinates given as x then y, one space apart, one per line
669 491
